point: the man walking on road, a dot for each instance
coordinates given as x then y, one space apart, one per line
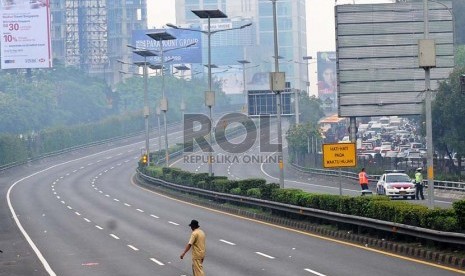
197 243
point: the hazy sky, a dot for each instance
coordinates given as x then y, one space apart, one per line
320 24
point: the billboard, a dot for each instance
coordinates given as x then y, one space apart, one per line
327 83
262 101
192 54
25 32
377 56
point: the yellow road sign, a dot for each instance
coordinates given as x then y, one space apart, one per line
341 155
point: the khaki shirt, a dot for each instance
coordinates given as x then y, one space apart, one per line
197 241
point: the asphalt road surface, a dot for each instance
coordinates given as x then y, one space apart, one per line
81 214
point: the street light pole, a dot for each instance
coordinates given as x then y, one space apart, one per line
278 99
244 62
307 58
145 54
182 68
427 60
160 37
209 95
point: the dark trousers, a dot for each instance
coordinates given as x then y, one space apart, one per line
419 191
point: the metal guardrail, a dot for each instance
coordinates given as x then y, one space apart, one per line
440 185
440 236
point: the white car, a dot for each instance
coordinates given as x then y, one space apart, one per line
395 184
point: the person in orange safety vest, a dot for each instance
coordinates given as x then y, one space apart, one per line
363 179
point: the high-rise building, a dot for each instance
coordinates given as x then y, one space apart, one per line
256 43
92 34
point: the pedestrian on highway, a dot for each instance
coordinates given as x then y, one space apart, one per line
363 179
197 243
419 184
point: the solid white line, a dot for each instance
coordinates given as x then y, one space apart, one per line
21 228
174 223
153 216
96 226
314 272
227 242
16 219
133 247
129 205
156 261
114 236
264 255
140 210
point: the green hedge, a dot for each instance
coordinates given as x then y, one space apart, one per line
376 207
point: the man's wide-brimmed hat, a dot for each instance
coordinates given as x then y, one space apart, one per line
194 223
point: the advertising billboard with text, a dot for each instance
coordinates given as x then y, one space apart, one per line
25 32
192 54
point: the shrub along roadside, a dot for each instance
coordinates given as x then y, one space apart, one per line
376 207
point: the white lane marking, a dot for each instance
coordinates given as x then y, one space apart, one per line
153 216
133 247
100 192
115 199
86 219
314 272
264 255
74 171
107 195
129 205
114 236
77 213
15 216
90 164
139 210
67 174
156 261
58 197
174 223
69 207
227 242
21 228
63 202
98 227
